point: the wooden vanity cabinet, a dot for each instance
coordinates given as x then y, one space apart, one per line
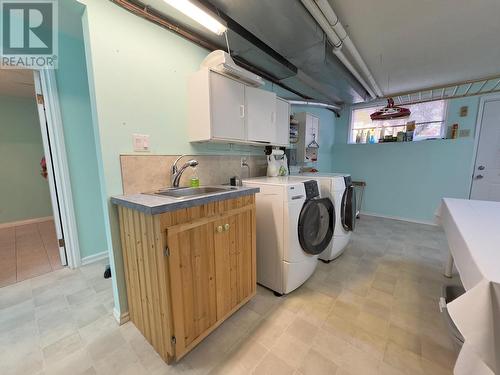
188 270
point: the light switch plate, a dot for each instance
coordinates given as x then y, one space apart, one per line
464 133
141 142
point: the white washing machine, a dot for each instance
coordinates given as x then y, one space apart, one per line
338 187
294 225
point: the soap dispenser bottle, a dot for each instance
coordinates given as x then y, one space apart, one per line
195 181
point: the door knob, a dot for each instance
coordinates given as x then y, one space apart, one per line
481 167
226 227
479 176
219 229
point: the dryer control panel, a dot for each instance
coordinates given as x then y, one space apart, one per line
312 189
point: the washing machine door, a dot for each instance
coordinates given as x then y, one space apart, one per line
316 225
348 208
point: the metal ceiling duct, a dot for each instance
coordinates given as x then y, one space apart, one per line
290 30
278 40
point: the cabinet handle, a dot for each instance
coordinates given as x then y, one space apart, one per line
242 111
226 227
219 229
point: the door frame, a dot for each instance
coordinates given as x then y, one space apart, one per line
482 101
57 162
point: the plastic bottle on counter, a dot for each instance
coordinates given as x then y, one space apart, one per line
195 181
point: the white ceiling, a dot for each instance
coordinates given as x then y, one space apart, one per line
415 44
17 82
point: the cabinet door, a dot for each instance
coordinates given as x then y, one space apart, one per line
282 122
261 115
193 288
227 99
234 260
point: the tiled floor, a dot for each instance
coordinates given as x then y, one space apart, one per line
27 251
373 311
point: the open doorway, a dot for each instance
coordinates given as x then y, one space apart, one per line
31 238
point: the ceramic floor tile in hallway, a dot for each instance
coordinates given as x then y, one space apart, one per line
372 311
27 251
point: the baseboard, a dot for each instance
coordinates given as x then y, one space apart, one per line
94 258
374 214
121 318
25 222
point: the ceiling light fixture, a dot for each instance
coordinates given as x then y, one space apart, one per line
196 13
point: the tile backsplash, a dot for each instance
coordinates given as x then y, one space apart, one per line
143 173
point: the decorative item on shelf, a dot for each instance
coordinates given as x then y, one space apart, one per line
294 130
390 111
382 135
410 131
372 139
454 131
359 133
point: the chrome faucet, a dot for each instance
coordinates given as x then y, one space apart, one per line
177 173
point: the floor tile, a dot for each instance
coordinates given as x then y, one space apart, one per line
371 311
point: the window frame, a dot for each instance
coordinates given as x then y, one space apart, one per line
379 104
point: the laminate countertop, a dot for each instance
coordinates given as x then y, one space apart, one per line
157 204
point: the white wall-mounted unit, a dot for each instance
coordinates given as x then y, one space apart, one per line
221 62
308 143
222 109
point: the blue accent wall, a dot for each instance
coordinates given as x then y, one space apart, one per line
24 192
74 100
408 180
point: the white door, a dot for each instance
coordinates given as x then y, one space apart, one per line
50 177
486 177
227 98
282 122
261 115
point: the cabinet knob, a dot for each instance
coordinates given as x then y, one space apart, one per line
219 229
226 227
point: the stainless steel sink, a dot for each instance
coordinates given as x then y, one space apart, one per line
187 192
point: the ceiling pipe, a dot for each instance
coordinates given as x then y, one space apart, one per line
335 23
310 103
336 34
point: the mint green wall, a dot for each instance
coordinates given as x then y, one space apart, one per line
408 180
24 193
138 77
72 84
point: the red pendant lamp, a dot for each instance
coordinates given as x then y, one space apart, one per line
390 112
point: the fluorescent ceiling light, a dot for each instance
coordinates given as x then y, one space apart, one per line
199 15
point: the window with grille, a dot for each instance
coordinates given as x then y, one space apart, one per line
429 120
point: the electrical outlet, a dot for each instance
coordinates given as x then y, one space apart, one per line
141 142
243 161
464 111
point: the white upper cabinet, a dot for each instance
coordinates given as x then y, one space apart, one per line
282 122
227 99
216 108
261 115
222 109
